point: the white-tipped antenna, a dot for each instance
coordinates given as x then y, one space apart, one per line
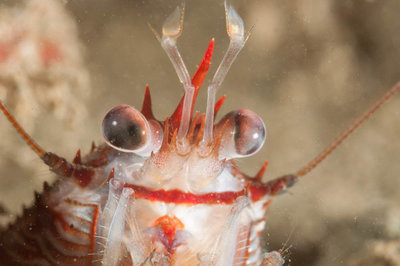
171 30
235 29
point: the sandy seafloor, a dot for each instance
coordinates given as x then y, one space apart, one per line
308 69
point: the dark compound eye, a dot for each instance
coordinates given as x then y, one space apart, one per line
125 128
243 134
249 132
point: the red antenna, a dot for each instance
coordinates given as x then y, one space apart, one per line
81 173
353 126
28 139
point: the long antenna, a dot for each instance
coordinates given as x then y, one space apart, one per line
28 139
82 174
353 126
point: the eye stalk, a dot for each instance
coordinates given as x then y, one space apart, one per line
126 129
243 134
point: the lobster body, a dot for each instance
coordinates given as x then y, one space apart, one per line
158 192
125 223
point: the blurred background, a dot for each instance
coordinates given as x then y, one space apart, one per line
308 69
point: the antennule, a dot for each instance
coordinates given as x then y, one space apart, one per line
235 30
28 139
172 29
353 126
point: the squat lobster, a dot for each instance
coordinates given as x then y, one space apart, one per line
160 192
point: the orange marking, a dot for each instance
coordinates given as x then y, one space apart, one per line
169 226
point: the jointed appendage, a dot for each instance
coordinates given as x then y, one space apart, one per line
235 30
348 131
172 29
81 174
170 183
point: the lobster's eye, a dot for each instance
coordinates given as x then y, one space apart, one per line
243 134
126 129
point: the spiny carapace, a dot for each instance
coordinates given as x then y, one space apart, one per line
159 192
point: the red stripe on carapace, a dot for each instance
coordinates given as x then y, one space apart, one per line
179 197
